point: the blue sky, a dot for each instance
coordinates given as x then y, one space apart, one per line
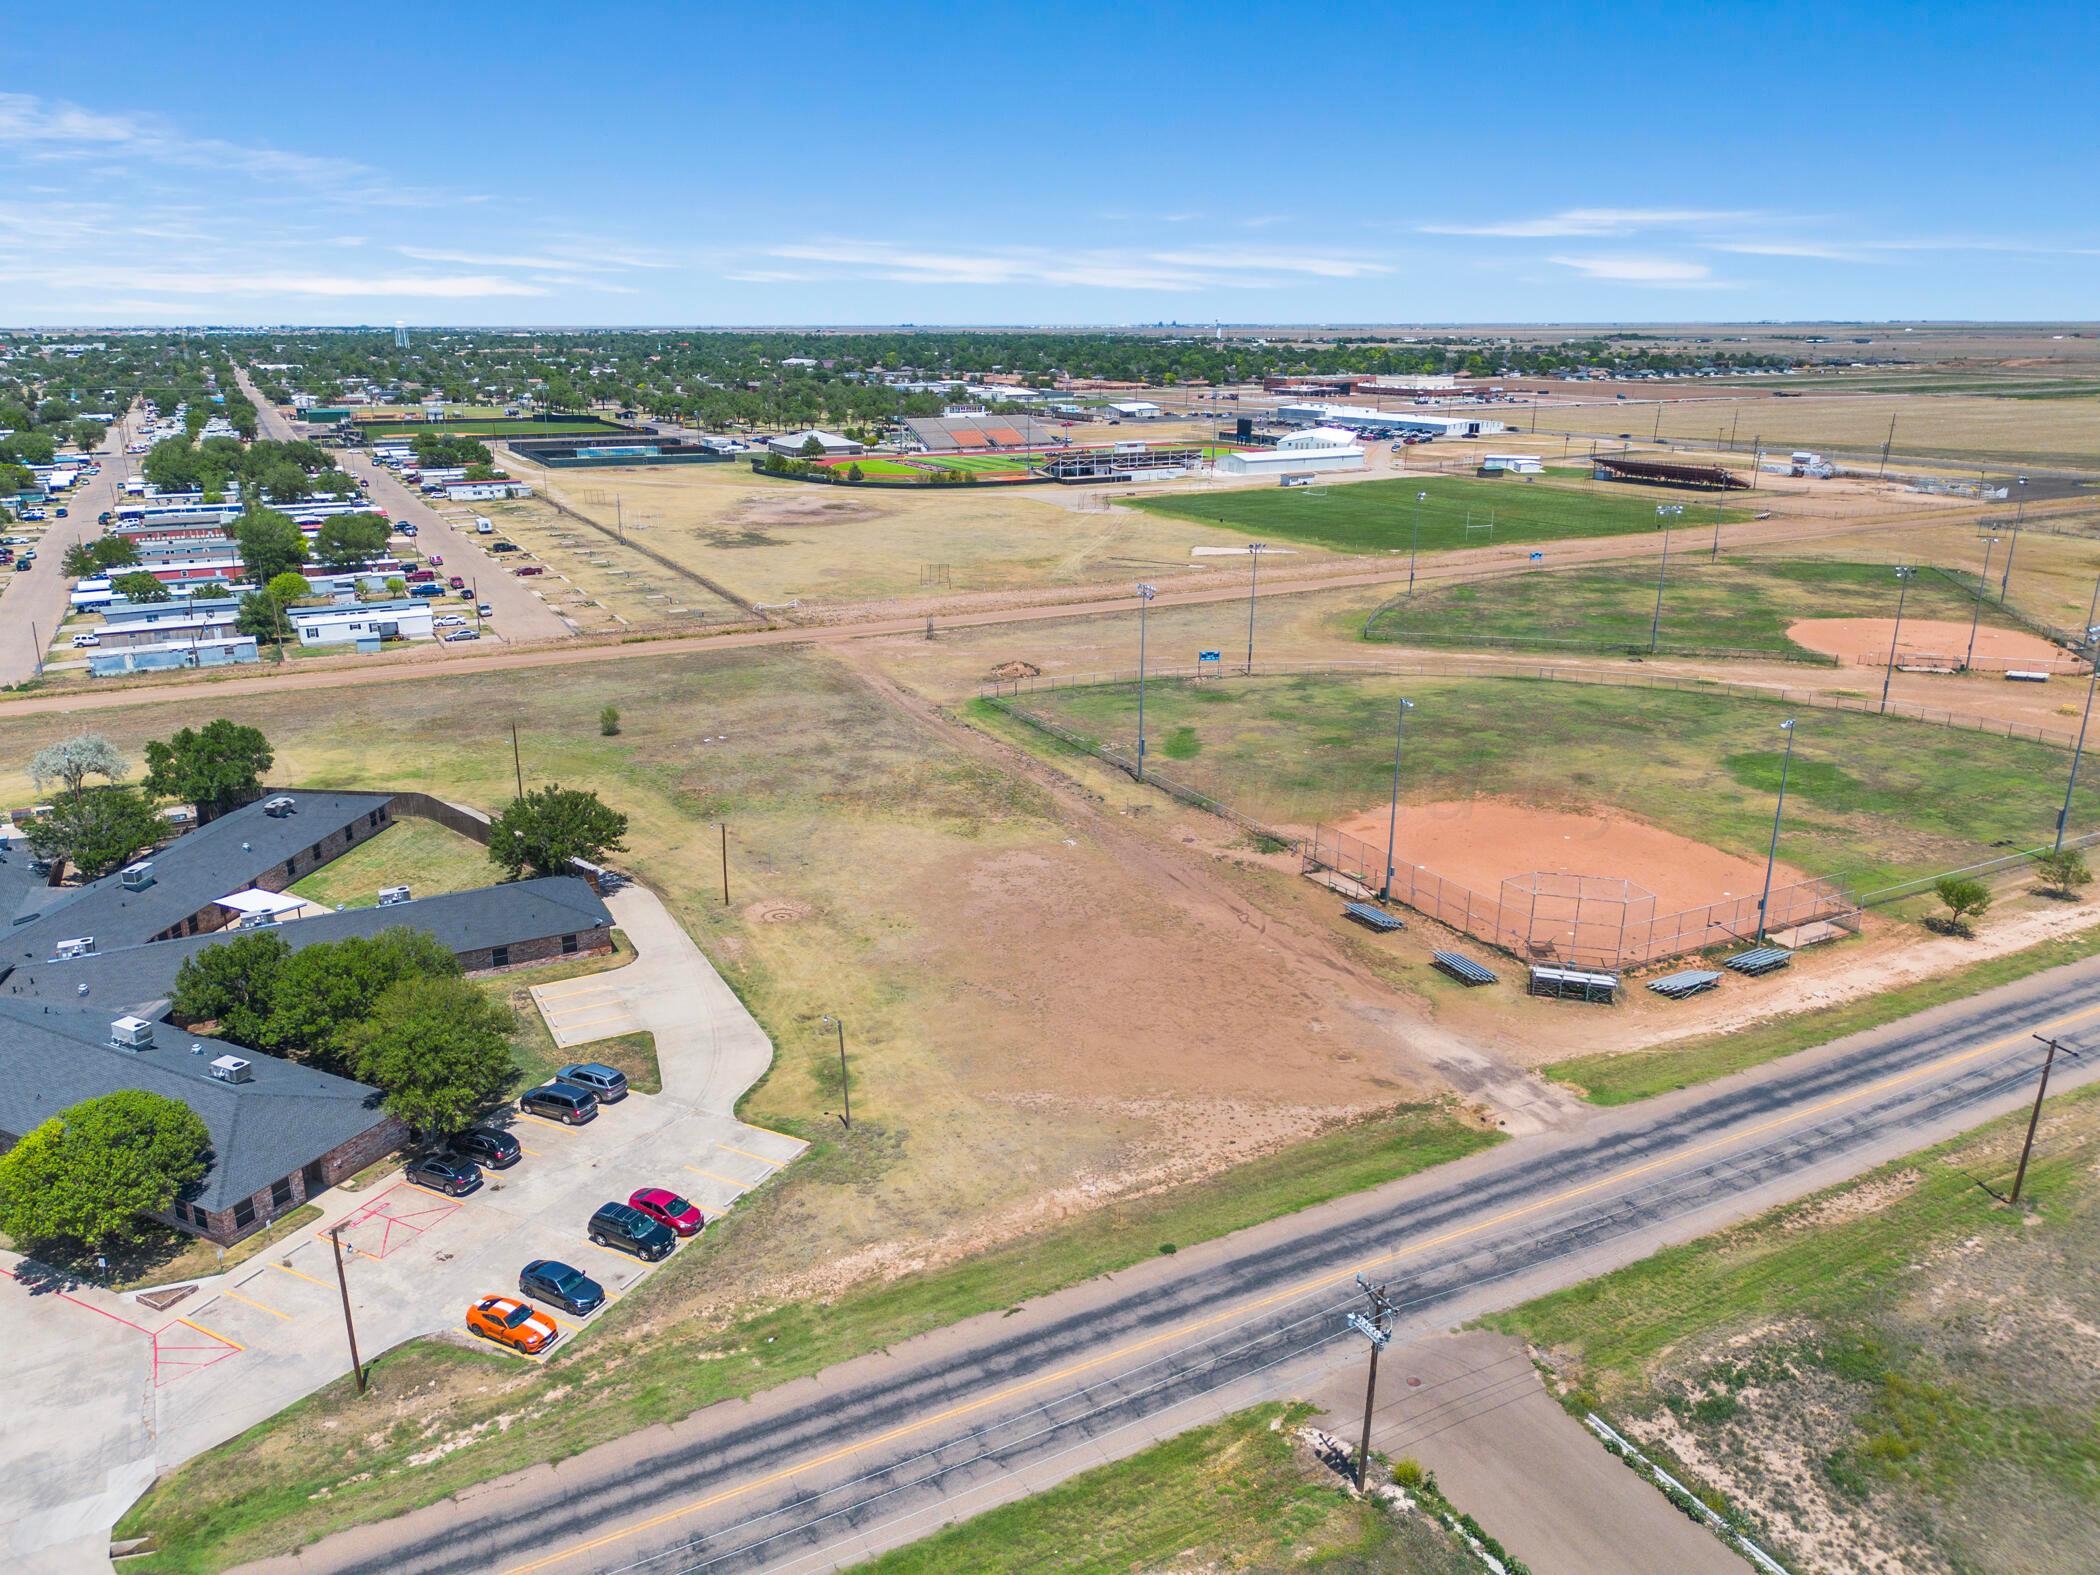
521 163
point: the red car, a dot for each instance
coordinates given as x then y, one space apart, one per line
530 568
437 560
669 1210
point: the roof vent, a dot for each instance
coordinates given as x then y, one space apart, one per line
137 877
231 1069
131 1033
389 895
279 807
79 946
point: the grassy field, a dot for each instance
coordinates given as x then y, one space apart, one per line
1378 516
1737 604
1874 800
1231 1496
1620 1078
427 858
1896 1369
257 1494
475 426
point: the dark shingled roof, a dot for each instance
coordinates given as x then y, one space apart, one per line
286 1115
141 978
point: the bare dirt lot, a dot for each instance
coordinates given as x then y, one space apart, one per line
1937 641
1480 842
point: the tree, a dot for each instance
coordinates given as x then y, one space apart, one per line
2063 871
551 826
855 473
216 767
71 761
1967 899
260 615
609 721
347 541
96 830
88 1176
233 984
140 586
396 586
270 544
288 588
323 991
437 1049
85 559
812 448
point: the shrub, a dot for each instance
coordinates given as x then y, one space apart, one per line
2063 871
1967 899
609 721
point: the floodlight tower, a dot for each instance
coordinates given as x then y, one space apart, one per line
1145 594
1779 809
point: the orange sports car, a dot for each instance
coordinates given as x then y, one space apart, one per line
508 1321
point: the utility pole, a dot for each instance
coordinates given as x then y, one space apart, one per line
36 649
1254 552
1716 558
1655 624
517 761
1392 824
1904 573
1378 1329
342 1282
1982 580
2011 547
1885 443
1414 546
725 863
1145 595
2034 1118
845 1084
2092 658
1772 853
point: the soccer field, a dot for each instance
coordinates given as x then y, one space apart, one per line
1459 511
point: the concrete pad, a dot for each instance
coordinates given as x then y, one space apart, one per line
1470 1408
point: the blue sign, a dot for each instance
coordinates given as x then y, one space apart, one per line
1209 656
1538 557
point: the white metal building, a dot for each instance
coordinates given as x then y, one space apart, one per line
1314 449
373 621
790 443
1364 418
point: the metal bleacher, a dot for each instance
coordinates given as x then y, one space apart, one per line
1759 960
1677 986
1373 917
1574 984
1462 968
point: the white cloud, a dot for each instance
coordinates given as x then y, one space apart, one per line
1590 221
1639 270
1822 251
1172 271
286 282
1273 262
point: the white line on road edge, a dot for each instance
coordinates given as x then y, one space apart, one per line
1719 1522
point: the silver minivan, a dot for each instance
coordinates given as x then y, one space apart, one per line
607 1082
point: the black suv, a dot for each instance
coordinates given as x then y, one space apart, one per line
445 1173
489 1146
569 1289
629 1229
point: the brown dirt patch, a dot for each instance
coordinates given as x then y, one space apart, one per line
1016 669
1480 842
776 910
1943 641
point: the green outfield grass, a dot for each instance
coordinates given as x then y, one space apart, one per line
1736 604
1872 799
1378 516
565 426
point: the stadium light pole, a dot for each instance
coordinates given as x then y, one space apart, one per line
1392 824
1664 511
1982 580
1254 551
1904 575
1772 853
1414 546
2011 547
2092 657
1145 595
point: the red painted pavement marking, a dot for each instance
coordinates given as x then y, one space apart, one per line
178 1346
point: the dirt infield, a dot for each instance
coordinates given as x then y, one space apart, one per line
1480 842
1867 640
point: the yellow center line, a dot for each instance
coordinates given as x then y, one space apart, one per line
213 1333
286 1268
227 1290
1290 1293
713 1176
770 1164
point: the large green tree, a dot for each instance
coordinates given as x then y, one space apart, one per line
438 1049
88 1177
324 991
550 826
233 984
96 830
139 586
347 541
216 767
270 545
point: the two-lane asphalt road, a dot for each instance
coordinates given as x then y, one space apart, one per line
36 602
820 1473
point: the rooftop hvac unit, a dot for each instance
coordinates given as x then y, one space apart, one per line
131 1033
79 946
231 1069
137 877
279 807
389 895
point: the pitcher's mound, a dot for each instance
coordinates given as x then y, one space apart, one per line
1940 641
1481 842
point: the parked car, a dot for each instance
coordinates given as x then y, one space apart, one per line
464 594
23 566
489 1146
560 1102
609 1083
455 582
569 1289
503 546
447 621
437 560
81 641
628 1229
530 569
405 528
427 588
485 610
669 1210
458 635
61 513
445 1173
510 1322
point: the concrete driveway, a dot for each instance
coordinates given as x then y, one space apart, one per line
107 1392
